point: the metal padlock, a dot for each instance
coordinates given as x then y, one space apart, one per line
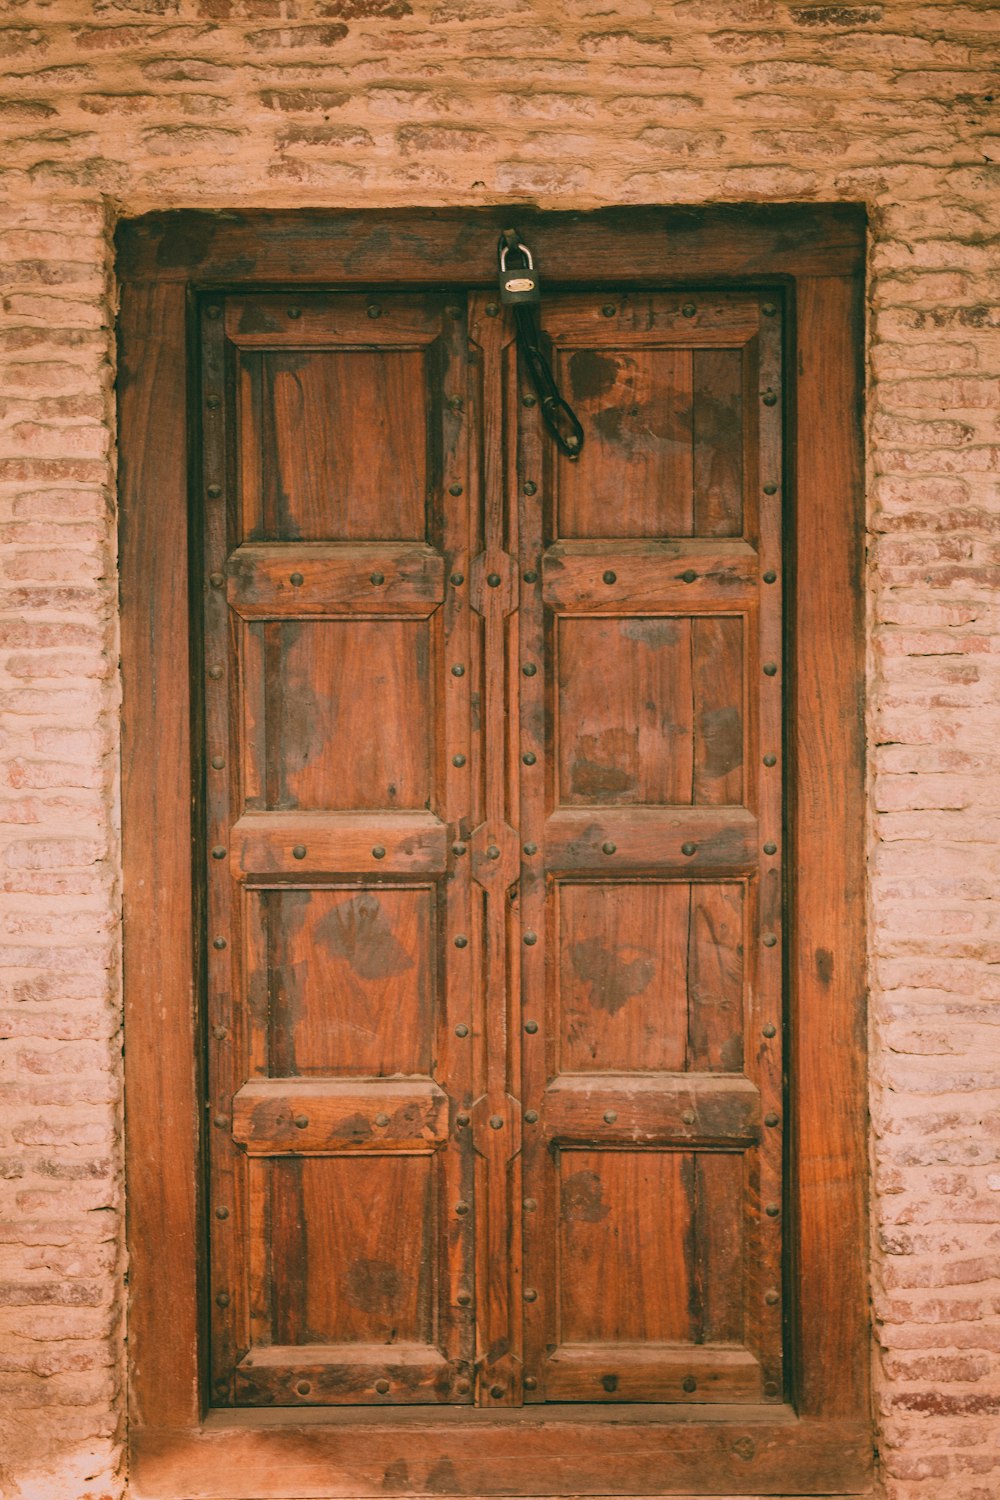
520 284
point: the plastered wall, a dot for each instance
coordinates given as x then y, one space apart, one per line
113 108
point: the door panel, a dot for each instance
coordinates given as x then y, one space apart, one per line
652 998
339 1001
493 803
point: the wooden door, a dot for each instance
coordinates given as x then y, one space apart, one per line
492 855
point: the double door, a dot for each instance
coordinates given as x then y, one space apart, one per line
492 851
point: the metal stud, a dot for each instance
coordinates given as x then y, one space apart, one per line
458 760
461 1029
461 1208
687 1118
456 580
770 398
610 1116
529 1205
529 757
689 575
770 1030
299 852
461 941
382 1387
529 669
377 579
494 580
381 1119
464 1299
493 852
295 312
373 310
462 1387
215 673
770 1387
689 848
303 1388
496 1391
222 1212
213 312
771 1119
531 576
219 943
220 1033
770 488
772 1210
216 580
492 310
222 1299
214 491
689 1384
301 1121
296 580
218 852
769 309
770 760
213 403
531 1116
462 1120
458 670
608 848
772 1298
608 310
458 849
218 763
689 309
220 1121
770 669
530 939
528 401
531 1027
454 312
454 489
530 488
610 577
496 1122
530 849
530 1295
530 1383
769 940
770 848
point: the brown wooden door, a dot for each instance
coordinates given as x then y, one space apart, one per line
493 811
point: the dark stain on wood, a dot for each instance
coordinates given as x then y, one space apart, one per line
654 633
611 977
371 1285
357 931
824 965
582 1199
591 374
721 740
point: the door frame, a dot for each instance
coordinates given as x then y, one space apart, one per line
820 1441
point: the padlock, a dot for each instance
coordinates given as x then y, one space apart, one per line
520 284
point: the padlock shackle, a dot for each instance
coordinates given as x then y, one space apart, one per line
504 247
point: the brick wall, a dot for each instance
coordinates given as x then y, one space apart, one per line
109 107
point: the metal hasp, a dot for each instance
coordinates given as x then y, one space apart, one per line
520 289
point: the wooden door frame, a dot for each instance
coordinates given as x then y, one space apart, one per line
820 1441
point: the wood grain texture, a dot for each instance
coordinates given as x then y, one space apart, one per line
609 1453
273 1116
827 743
309 579
442 246
160 1059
